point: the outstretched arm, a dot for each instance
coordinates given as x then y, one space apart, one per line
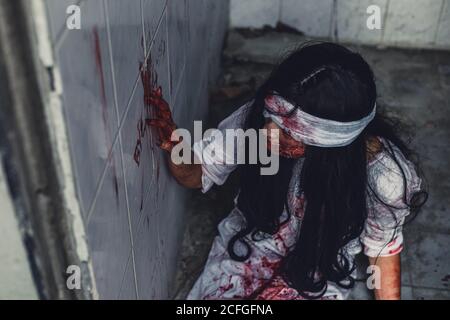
390 268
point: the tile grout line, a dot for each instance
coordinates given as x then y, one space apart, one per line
146 57
156 31
120 123
385 19
160 254
117 137
123 276
144 39
182 73
145 66
113 76
62 34
144 36
100 182
87 211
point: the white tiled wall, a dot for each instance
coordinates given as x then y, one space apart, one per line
133 213
311 16
254 13
405 23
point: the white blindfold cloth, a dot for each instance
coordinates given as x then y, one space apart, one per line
310 129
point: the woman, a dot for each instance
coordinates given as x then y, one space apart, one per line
344 185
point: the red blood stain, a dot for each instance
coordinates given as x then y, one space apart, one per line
99 65
105 116
291 124
149 82
270 265
371 224
297 204
257 275
280 242
276 105
278 289
225 288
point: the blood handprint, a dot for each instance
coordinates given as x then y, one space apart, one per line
161 119
157 110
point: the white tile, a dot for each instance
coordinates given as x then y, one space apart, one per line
170 220
254 13
218 22
443 35
108 231
155 200
177 27
137 156
196 71
83 58
412 23
149 270
127 42
311 17
152 11
128 287
183 112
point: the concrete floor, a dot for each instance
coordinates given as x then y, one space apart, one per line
413 85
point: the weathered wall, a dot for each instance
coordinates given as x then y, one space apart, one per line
133 211
405 23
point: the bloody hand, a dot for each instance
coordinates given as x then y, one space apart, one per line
292 152
161 118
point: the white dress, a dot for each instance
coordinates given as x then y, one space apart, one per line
257 277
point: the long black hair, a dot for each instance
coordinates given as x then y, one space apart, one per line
334 180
